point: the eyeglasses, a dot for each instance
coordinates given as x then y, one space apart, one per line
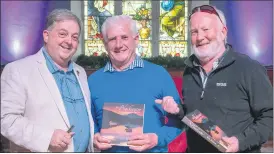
205 8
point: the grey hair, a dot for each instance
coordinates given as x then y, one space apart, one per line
222 17
222 22
115 20
58 15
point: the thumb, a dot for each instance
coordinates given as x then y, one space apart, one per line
225 138
71 134
158 101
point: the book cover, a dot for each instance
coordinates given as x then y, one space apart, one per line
121 120
206 128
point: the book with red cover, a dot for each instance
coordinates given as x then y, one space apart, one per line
206 128
121 120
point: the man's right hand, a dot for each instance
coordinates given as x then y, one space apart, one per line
60 140
101 143
168 104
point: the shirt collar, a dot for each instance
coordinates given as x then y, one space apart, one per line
51 64
137 63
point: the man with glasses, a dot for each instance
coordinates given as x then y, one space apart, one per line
45 99
218 83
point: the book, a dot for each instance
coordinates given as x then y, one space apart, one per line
206 128
121 120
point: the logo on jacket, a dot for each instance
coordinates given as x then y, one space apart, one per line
221 84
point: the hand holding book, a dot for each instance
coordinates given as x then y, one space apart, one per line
143 142
196 120
101 142
233 144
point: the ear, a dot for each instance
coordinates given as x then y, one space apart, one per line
105 45
224 32
104 42
46 36
136 38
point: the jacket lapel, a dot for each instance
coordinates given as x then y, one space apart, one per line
52 86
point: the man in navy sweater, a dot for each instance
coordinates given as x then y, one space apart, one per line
228 87
127 78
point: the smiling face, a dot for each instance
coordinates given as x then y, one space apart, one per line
207 36
120 44
61 41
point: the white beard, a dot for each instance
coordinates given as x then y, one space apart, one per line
210 52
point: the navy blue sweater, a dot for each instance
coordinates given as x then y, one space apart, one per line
140 86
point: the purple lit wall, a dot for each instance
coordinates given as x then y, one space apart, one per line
22 24
250 27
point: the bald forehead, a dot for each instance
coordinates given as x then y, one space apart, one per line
199 18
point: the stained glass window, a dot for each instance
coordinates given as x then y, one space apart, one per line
170 37
141 12
96 12
173 28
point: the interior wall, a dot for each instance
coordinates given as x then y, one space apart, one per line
22 25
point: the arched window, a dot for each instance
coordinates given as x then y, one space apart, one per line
162 25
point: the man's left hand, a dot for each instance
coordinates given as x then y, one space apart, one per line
233 144
143 142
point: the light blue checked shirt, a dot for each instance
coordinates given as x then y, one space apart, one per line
137 63
74 102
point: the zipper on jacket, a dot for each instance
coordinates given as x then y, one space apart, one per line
202 94
203 78
204 81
